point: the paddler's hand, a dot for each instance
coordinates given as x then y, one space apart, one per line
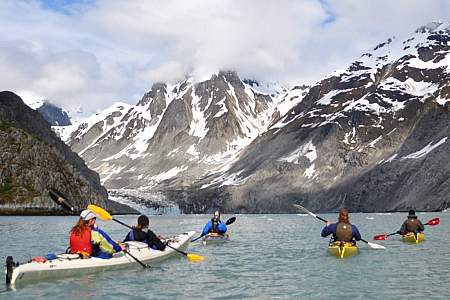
328 223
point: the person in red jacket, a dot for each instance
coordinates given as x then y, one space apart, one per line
80 234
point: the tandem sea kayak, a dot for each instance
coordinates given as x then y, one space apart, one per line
413 238
342 249
72 265
215 238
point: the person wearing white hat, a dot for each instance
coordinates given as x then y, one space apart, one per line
80 234
89 240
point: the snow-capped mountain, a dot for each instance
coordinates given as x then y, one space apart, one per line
177 134
53 114
372 137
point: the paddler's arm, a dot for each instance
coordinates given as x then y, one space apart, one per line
356 233
127 238
207 228
107 244
402 230
154 240
328 229
421 227
222 227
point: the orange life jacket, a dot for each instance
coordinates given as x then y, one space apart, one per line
81 243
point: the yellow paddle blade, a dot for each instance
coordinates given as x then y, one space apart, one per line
102 214
195 257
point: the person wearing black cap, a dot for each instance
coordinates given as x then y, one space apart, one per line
146 236
411 224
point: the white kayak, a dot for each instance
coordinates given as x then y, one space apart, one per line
215 238
71 265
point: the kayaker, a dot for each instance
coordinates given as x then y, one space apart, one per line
343 230
139 234
215 225
80 234
89 240
411 224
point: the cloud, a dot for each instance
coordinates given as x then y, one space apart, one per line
94 53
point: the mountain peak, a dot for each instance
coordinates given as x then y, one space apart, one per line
433 27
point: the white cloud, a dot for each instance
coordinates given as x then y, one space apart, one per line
96 53
170 72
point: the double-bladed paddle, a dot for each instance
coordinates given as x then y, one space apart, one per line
104 215
383 237
228 222
61 200
371 245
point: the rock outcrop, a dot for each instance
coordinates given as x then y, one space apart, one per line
33 160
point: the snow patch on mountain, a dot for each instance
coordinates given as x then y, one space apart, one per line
308 150
425 150
31 99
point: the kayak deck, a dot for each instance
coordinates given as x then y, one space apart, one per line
410 237
215 238
342 249
65 265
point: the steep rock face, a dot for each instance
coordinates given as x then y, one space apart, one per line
176 134
33 160
372 138
54 115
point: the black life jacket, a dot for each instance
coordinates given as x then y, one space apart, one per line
411 225
344 232
215 225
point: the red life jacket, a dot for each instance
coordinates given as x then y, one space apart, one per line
81 243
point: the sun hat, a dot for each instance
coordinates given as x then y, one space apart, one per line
87 215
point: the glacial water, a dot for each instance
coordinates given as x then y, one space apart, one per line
268 257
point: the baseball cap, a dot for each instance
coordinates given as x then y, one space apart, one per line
87 215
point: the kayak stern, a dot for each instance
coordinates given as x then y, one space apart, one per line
410 237
342 250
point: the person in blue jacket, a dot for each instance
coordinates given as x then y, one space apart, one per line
343 230
103 246
215 225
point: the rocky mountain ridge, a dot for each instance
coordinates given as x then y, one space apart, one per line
373 137
33 160
193 128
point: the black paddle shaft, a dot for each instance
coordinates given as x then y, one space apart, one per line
61 200
121 223
179 251
321 219
137 260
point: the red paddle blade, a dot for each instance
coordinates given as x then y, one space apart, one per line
434 221
380 237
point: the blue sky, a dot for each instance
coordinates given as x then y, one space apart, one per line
92 53
64 6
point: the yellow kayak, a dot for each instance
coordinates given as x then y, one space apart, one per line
411 238
342 249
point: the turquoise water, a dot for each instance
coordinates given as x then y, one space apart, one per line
268 257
